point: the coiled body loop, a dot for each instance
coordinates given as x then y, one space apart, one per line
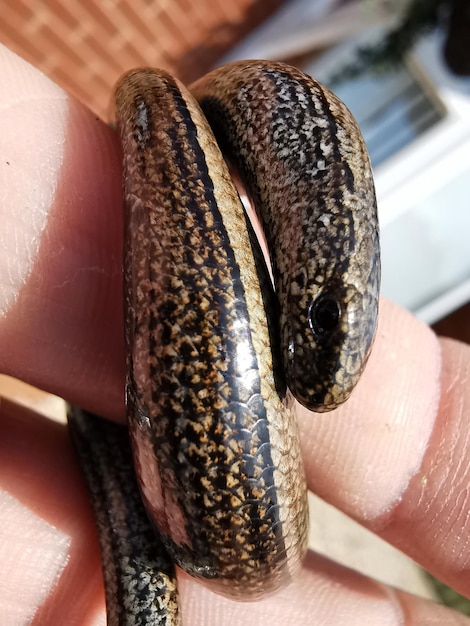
216 449
214 353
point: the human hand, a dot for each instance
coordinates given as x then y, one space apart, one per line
395 457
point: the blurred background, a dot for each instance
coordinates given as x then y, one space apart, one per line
401 66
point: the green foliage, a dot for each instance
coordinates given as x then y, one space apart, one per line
420 17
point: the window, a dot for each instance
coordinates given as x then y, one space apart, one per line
392 110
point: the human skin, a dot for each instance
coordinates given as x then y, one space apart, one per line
395 456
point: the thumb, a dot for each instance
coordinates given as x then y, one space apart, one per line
60 272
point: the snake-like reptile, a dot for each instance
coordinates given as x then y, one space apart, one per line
215 356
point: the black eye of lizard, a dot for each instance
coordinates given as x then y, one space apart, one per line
324 315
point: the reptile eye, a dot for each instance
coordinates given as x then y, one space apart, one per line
324 315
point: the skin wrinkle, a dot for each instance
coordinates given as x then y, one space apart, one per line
432 512
21 254
45 564
66 301
30 101
318 587
69 281
38 469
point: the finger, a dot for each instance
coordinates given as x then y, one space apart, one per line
60 273
324 594
51 555
396 457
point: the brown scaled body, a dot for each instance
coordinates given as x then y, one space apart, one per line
216 449
213 353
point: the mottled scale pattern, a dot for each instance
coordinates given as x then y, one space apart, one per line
139 575
216 450
305 165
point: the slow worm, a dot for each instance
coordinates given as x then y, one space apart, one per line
215 355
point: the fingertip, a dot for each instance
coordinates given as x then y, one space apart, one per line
49 546
60 275
34 113
323 593
362 456
430 523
